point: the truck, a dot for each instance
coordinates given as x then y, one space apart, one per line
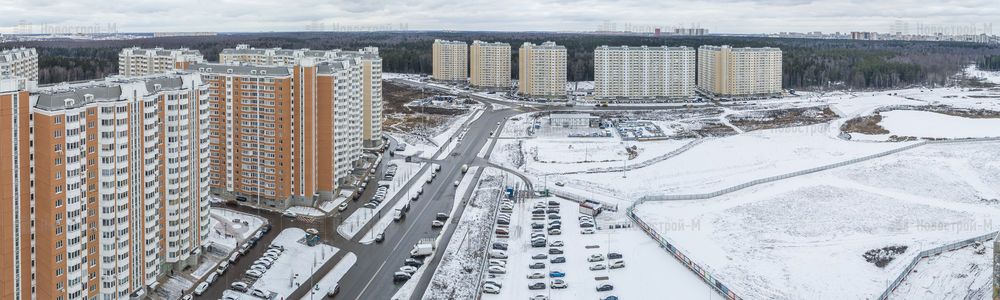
465 168
424 247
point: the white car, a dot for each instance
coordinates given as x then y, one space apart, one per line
259 293
342 207
587 231
497 270
558 284
259 268
456 182
202 287
618 264
598 267
254 273
539 297
289 214
498 254
408 269
595 258
536 275
491 289
436 223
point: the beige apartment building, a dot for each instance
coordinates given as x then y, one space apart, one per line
137 61
115 176
489 65
644 73
371 68
724 71
542 70
19 62
450 61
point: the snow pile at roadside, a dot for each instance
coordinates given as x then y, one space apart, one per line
305 211
333 277
356 221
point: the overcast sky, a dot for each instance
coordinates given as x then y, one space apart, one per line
728 16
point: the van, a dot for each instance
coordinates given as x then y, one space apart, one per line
397 215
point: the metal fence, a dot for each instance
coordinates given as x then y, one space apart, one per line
931 252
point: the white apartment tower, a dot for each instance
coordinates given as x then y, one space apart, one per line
724 71
644 73
542 70
489 65
137 61
450 60
19 62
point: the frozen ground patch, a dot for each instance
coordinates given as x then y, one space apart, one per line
295 265
924 124
770 241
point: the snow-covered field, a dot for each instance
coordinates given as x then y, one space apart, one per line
770 241
295 265
649 273
959 274
923 124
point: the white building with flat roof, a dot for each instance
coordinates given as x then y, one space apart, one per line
644 73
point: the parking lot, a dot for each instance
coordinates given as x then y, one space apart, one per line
550 256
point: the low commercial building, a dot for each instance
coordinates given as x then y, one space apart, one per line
644 73
572 120
727 72
542 70
450 60
489 65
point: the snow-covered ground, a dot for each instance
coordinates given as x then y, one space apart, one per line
460 266
230 227
295 265
406 171
333 277
305 211
328 206
988 76
769 241
964 274
924 124
649 273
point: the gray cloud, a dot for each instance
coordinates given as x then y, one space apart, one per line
733 16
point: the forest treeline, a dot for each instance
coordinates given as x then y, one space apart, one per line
808 63
989 63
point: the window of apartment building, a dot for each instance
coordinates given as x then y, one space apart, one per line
57 133
59 189
59 272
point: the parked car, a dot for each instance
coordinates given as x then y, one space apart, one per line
202 287
497 270
498 254
558 260
500 246
586 225
379 237
342 206
555 231
538 297
536 266
614 255
441 217
491 289
540 256
598 267
605 287
536 275
254 273
259 293
289 214
408 269
239 286
612 297
537 286
554 217
437 224
555 251
595 258
413 262
556 244
587 231
400 277
557 274
618 264
538 244
558 284
537 226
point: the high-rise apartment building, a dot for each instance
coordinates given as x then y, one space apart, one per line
284 133
489 64
19 62
371 65
644 73
542 70
141 62
115 176
451 60
724 71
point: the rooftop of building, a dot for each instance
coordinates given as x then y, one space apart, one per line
243 49
643 48
483 43
713 47
163 52
8 55
545 45
447 42
571 116
69 95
